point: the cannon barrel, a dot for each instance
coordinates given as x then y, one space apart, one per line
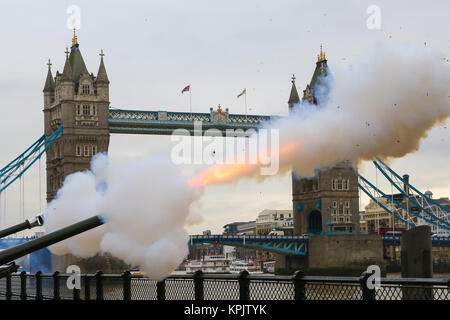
21 250
28 224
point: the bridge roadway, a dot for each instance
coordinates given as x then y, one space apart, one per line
287 245
441 241
165 122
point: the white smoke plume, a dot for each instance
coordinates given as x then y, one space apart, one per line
145 205
382 106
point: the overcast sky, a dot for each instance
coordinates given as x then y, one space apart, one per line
155 48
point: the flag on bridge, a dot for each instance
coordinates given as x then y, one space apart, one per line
187 88
243 92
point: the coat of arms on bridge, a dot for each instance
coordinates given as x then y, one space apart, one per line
219 116
162 115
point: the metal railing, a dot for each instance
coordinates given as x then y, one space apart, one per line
201 286
248 237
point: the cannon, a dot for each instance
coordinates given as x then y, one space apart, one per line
37 221
8 256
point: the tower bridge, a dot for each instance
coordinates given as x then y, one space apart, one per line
79 101
287 245
165 122
79 120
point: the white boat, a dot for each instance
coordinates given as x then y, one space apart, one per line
269 266
209 264
237 266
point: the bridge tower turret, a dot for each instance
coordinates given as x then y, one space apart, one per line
102 81
49 87
328 201
79 102
293 97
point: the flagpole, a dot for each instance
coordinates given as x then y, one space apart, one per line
245 102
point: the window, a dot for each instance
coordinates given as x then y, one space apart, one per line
86 151
94 110
94 149
86 110
78 151
334 204
78 110
345 184
340 184
86 89
347 204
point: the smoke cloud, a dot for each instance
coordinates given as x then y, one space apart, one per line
145 205
384 105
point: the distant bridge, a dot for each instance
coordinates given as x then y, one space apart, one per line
288 245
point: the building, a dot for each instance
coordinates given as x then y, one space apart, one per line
375 218
247 228
443 202
288 226
269 220
79 101
329 200
362 222
232 228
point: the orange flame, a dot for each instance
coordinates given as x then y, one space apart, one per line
227 172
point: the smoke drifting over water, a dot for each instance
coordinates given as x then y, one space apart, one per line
383 106
145 205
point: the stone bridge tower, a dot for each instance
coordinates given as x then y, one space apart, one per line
78 101
328 201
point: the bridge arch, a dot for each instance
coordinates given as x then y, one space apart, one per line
314 222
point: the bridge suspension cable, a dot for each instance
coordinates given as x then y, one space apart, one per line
427 206
365 186
424 196
16 168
